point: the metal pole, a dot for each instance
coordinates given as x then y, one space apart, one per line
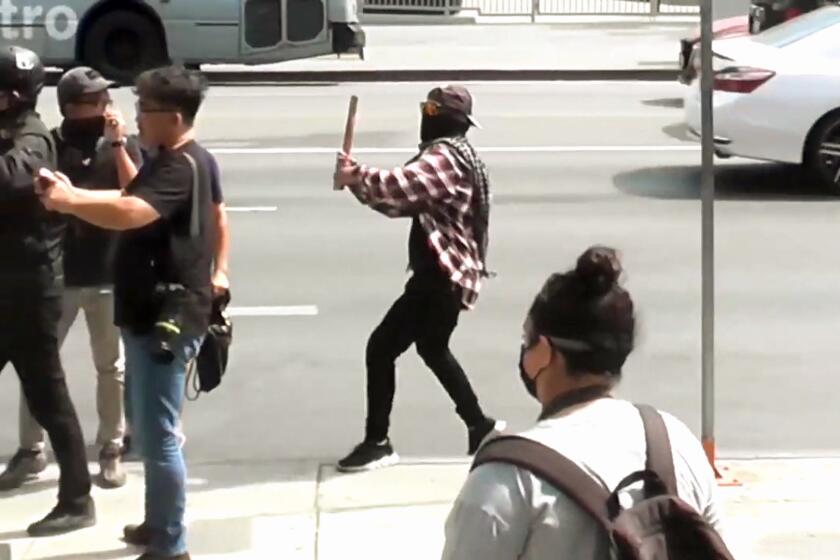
654 7
708 230
535 7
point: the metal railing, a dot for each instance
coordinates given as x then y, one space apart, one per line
535 7
618 7
444 7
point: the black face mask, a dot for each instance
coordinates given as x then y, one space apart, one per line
83 132
530 384
439 126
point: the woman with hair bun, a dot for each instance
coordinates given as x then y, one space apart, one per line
578 334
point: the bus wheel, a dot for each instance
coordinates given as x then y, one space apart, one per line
123 44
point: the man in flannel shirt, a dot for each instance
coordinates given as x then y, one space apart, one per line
445 192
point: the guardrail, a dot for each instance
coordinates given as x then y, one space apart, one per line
534 7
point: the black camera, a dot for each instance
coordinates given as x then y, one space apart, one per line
171 301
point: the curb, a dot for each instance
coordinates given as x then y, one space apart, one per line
369 76
256 78
340 76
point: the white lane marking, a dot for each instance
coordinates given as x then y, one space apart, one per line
251 208
274 311
487 149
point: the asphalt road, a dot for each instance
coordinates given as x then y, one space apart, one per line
573 165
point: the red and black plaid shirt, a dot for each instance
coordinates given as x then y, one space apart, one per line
436 187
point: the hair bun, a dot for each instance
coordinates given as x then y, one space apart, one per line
599 269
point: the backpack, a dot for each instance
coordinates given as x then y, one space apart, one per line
661 526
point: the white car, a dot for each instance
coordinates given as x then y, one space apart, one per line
777 95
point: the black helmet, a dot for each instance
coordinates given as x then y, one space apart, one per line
22 71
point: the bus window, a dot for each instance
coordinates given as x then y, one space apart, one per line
263 23
306 20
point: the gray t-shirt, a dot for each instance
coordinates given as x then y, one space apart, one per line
506 513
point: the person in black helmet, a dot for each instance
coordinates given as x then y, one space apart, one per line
31 286
94 152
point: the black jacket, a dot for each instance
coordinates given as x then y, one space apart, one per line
88 249
30 236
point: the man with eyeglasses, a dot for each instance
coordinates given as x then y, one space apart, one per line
445 191
162 286
95 153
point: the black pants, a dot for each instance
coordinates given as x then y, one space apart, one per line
425 315
29 340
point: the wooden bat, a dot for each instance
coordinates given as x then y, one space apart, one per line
349 130
350 127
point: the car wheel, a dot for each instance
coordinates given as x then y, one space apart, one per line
822 154
123 44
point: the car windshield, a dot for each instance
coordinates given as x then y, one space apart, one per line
799 28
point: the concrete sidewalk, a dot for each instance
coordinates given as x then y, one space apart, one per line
466 52
785 510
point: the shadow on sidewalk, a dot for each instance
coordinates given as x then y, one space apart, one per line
13 536
739 181
667 102
679 131
32 487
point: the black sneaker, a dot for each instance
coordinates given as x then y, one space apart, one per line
368 456
156 556
480 433
64 519
137 535
24 466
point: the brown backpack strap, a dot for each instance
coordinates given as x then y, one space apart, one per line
659 457
553 468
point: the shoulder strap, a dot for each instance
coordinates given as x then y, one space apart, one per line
194 214
552 467
55 136
659 457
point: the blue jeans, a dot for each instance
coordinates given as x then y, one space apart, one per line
156 393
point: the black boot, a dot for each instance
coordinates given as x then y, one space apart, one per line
64 519
137 535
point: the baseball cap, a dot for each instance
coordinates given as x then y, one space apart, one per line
81 81
456 99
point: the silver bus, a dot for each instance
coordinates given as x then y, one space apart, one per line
123 37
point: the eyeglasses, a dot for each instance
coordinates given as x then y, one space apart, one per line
431 108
